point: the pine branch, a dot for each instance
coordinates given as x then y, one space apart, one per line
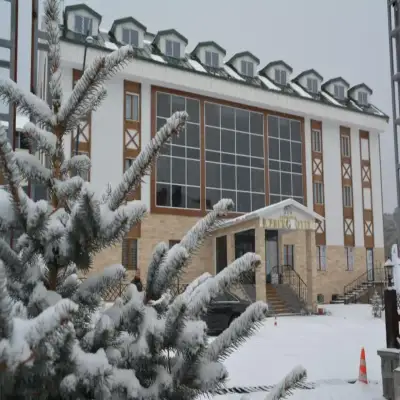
69 189
6 323
241 329
152 272
133 175
288 384
40 139
26 103
196 283
214 286
79 164
32 168
7 213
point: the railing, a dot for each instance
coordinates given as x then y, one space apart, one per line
286 275
379 275
116 290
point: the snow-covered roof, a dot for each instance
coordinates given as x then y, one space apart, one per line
269 211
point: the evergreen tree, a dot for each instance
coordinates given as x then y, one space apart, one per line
376 305
55 342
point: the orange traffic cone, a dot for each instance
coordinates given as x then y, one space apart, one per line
275 322
362 377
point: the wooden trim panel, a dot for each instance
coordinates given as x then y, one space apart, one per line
132 140
202 211
85 136
317 158
366 187
347 181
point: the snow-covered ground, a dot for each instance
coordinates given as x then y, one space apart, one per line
327 346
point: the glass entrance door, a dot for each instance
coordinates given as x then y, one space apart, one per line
271 256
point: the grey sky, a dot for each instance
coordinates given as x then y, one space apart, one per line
345 38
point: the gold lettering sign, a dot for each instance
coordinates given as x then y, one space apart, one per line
288 222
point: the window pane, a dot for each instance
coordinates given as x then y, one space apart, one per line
213 156
78 24
243 178
213 175
163 105
193 109
227 117
163 195
135 108
242 160
178 196
193 172
208 58
243 202
178 170
134 38
193 153
295 133
242 120
286 183
192 135
213 196
176 49
178 151
192 197
163 169
256 123
250 69
274 182
212 114
128 106
257 146
228 158
215 60
284 128
257 180
212 138
125 36
273 126
296 152
178 104
228 177
242 143
168 48
257 201
227 141
285 153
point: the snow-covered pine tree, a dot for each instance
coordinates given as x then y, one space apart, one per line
55 342
376 303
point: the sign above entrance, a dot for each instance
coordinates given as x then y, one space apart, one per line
288 221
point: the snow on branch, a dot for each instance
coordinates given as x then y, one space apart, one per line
7 212
196 283
140 167
159 253
32 168
214 286
288 384
26 102
89 89
68 189
238 332
79 164
6 326
40 139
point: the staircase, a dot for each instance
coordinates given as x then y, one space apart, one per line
364 285
287 292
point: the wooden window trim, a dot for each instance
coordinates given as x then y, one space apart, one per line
130 247
202 211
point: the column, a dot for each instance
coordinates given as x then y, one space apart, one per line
311 269
230 247
261 293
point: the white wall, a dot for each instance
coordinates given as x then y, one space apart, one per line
358 205
376 179
107 137
333 184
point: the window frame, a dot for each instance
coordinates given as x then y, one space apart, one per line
132 108
279 73
82 31
288 255
349 254
247 68
131 33
321 258
339 91
347 196
318 193
316 140
362 98
214 58
311 82
130 255
175 48
345 146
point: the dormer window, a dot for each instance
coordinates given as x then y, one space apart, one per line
280 76
363 98
247 68
83 25
130 36
312 85
338 91
212 59
172 49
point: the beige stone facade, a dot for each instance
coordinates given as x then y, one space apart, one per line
161 227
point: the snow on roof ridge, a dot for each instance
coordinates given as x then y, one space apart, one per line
297 88
232 73
331 99
355 105
268 83
156 57
196 65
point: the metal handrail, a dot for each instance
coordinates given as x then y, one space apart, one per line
289 276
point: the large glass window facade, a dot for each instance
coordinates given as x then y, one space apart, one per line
285 159
178 167
234 154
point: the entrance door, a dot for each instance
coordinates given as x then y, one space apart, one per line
272 256
245 243
370 264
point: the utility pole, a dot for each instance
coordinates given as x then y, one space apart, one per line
394 50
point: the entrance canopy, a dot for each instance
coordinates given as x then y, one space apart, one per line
286 215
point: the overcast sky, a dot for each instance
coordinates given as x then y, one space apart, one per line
347 38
